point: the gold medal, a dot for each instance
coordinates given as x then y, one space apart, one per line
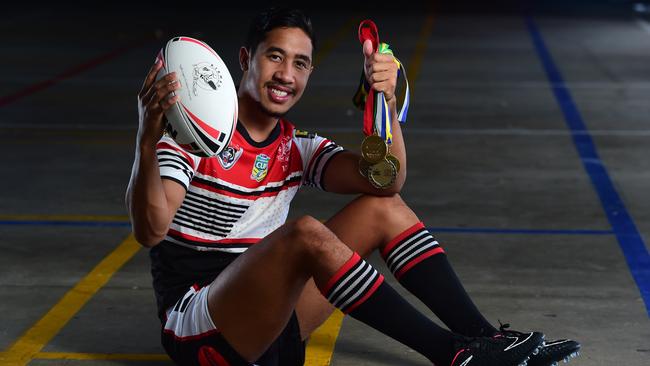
382 175
393 159
373 149
363 167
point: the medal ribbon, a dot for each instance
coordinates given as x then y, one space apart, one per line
377 114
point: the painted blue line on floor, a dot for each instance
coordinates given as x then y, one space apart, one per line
629 238
469 230
65 223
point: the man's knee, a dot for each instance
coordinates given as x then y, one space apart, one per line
383 205
394 199
310 236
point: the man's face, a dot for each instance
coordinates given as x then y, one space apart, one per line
278 72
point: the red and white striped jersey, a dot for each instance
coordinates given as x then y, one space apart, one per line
237 198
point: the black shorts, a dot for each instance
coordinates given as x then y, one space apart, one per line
190 338
288 349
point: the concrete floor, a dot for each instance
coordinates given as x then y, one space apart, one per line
493 169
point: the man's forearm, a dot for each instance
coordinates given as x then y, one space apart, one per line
146 199
398 148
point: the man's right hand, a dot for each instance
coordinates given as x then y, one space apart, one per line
152 202
154 98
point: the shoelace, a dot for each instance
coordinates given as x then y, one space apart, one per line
503 328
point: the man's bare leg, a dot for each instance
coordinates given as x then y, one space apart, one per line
252 300
365 224
368 223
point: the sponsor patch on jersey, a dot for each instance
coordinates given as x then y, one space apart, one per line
304 134
260 167
229 156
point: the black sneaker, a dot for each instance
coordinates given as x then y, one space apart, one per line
499 350
552 352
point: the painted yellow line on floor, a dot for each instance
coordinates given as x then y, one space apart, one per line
321 342
346 30
102 356
106 218
318 352
34 339
415 62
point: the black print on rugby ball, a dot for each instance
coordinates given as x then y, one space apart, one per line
206 77
171 131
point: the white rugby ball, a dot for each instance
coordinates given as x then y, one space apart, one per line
204 119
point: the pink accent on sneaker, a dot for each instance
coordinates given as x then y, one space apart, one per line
457 354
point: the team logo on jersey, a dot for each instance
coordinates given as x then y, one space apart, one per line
304 134
206 77
260 167
229 156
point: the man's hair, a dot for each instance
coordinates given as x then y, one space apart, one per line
277 17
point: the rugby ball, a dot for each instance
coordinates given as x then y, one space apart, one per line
204 119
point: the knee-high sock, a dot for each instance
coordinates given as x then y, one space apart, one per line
359 290
420 265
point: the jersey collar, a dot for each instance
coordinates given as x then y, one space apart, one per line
269 140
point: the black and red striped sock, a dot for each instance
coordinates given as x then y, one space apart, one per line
359 290
420 264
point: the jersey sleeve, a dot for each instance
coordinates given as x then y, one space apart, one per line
316 152
175 163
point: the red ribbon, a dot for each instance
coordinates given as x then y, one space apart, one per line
368 30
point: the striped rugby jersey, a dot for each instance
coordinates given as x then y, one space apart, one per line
235 199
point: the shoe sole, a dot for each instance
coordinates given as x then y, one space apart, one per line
534 352
567 358
573 353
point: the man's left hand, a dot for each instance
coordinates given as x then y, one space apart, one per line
381 71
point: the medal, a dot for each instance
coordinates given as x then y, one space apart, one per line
376 163
373 149
382 175
393 159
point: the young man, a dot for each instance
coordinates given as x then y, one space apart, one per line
235 284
